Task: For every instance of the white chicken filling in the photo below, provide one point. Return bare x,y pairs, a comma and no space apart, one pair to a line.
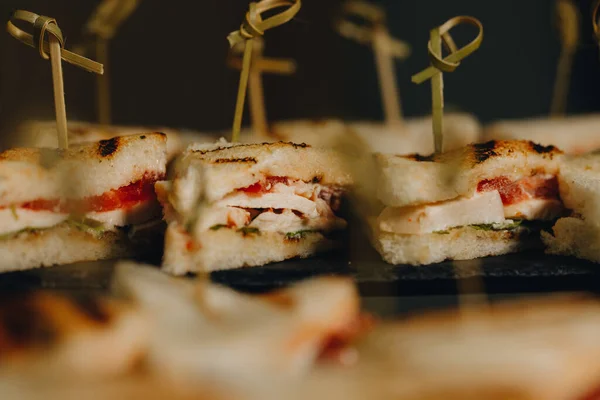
483,208
292,207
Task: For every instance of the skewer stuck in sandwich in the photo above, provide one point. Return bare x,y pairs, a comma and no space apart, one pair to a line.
236,205
484,199
80,204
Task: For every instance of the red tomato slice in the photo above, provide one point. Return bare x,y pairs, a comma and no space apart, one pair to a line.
122,198
527,188
264,186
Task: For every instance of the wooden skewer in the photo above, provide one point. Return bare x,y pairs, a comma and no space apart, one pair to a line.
385,48
103,82
59,92
260,65
241,96
48,27
390,95
568,25
254,26
437,93
561,85
258,112
447,64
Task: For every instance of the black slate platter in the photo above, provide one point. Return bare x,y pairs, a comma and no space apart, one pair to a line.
525,272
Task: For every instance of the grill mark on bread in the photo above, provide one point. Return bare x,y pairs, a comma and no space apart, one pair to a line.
538,148
251,160
483,151
419,157
108,147
238,145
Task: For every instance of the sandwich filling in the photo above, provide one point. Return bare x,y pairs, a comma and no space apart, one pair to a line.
496,204
133,204
272,204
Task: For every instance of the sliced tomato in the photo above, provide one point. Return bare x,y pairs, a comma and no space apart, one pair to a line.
265,185
512,192
122,198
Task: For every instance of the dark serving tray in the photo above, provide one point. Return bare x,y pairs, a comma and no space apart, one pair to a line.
524,272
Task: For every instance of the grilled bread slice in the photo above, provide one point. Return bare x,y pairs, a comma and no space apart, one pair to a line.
415,179
415,135
52,335
225,248
462,243
573,134
230,166
43,134
578,234
83,170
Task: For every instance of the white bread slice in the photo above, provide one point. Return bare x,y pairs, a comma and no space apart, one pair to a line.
541,348
415,136
414,180
61,244
228,249
228,166
579,184
463,243
83,170
579,234
574,237
203,330
50,335
574,134
43,134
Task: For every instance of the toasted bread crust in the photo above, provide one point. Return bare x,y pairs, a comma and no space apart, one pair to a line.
227,166
228,249
573,134
43,134
61,244
463,243
81,171
416,179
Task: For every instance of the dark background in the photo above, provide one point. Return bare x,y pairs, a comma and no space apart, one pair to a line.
168,64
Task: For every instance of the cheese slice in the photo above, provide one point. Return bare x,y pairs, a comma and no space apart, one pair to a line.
481,208
534,209
17,219
135,215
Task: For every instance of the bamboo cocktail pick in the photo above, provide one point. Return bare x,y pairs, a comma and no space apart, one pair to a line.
44,25
258,66
437,36
103,24
595,21
386,49
568,25
252,27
